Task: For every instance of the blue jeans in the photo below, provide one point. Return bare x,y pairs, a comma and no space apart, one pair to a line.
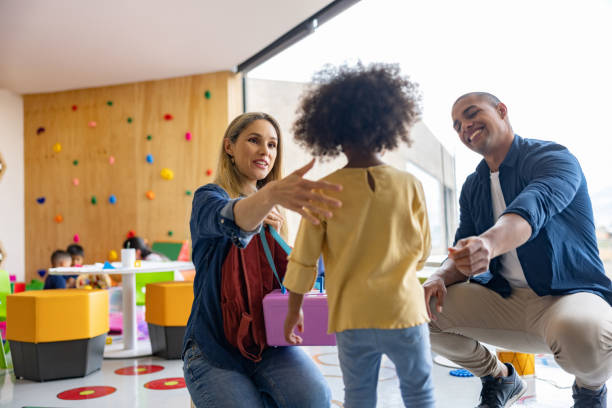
360,352
285,378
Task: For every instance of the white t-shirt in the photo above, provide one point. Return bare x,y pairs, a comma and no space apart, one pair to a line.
511,267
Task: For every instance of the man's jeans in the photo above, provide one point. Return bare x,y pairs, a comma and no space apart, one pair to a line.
285,378
360,353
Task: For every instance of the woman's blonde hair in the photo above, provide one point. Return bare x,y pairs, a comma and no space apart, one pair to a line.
228,176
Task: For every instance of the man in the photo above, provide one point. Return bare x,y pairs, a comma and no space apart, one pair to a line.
524,272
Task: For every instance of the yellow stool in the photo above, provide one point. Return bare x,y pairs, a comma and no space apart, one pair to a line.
167,309
57,333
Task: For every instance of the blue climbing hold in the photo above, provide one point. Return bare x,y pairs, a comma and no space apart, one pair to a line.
41,272
461,372
149,158
40,200
112,199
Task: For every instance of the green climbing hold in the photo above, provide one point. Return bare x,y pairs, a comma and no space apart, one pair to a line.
75,162
170,233
149,137
207,94
188,192
94,200
109,103
129,120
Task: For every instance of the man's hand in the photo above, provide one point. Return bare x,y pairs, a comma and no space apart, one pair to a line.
471,255
434,286
291,321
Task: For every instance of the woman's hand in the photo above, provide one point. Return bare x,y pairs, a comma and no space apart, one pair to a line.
297,194
275,219
291,321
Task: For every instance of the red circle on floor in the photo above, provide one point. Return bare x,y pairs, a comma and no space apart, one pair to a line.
166,384
139,369
83,393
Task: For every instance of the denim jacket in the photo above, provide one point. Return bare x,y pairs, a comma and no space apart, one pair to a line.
213,231
543,183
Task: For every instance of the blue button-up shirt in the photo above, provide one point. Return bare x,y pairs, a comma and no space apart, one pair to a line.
213,231
543,183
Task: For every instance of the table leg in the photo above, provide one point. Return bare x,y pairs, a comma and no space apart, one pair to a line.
131,346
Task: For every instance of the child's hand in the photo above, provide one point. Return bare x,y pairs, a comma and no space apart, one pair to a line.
71,283
291,321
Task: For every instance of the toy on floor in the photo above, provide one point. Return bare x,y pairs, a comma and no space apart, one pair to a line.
461,372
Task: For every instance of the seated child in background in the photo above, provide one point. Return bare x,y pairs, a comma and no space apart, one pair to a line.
97,281
375,243
77,253
60,259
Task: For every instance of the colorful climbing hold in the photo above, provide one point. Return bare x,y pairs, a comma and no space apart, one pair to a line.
168,116
76,238
94,200
40,130
149,137
112,255
167,174
74,108
40,200
209,172
149,158
75,162
150,195
129,120
112,199
188,136
109,103
57,147
75,181
92,124
131,234
207,94
41,272
170,233
188,192
58,218
111,160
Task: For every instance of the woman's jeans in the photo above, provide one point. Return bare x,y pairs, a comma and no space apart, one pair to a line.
285,378
360,352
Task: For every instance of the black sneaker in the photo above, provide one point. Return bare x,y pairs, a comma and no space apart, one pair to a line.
501,392
585,398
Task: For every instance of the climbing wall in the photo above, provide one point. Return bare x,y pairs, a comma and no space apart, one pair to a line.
102,162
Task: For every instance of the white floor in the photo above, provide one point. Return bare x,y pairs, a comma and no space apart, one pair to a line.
553,386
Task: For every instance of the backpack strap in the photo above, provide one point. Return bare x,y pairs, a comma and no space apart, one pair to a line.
266,248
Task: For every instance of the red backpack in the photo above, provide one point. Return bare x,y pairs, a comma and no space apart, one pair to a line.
246,277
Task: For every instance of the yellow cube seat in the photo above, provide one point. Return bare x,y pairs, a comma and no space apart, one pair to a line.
167,309
57,333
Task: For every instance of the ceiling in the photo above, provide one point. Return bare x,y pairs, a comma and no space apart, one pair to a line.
57,45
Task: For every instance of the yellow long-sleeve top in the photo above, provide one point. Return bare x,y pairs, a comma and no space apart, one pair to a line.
372,248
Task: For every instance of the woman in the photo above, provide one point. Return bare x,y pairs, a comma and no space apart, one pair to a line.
246,192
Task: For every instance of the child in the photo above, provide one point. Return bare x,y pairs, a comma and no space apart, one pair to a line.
374,244
77,253
59,259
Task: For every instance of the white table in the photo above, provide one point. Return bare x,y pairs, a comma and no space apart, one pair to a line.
129,346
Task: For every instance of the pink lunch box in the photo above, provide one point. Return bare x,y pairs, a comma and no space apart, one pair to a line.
315,319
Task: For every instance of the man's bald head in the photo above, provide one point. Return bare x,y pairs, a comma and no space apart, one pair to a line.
490,98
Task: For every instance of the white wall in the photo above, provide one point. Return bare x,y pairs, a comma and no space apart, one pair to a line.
12,208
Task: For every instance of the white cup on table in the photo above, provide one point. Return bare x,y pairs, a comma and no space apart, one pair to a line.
128,257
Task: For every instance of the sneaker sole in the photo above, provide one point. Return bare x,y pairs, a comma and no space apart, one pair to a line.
516,397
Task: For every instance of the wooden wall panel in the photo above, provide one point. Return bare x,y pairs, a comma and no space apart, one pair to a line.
103,227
